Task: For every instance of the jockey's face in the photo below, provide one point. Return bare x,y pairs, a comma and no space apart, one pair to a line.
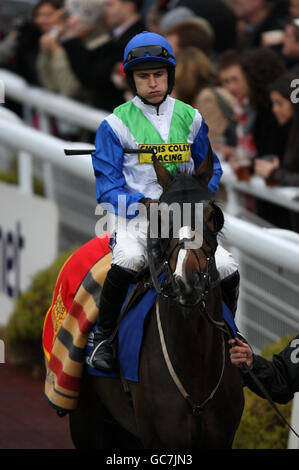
151,85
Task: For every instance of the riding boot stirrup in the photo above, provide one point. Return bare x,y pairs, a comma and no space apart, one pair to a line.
104,356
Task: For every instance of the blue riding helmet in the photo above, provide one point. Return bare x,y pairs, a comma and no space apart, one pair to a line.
147,51
146,48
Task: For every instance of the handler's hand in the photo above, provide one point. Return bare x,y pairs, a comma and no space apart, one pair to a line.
239,353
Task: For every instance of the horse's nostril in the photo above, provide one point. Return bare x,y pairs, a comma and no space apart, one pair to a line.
183,289
179,283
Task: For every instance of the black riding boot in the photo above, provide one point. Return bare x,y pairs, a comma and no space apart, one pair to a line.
103,355
230,291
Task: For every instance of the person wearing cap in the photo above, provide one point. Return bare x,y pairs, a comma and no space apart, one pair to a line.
152,117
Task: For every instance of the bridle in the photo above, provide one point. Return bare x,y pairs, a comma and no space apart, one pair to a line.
168,289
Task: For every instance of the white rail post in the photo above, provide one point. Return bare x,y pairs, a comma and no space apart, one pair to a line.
25,175
48,177
293,442
25,161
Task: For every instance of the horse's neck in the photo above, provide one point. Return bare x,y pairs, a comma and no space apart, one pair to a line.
191,341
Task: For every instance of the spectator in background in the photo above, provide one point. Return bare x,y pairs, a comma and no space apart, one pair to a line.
196,84
28,39
291,45
283,170
232,75
233,78
247,76
294,8
94,67
191,33
262,67
220,17
256,18
54,68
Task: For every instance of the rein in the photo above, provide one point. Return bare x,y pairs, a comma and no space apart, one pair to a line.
196,409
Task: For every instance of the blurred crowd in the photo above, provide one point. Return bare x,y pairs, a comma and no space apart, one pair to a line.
237,62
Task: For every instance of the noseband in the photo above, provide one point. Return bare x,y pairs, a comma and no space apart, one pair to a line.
204,277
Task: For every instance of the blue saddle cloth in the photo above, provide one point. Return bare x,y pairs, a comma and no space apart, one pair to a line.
130,336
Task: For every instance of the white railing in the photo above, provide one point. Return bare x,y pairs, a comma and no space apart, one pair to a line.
51,104
287,197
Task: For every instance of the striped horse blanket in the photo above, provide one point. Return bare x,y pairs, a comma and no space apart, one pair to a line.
70,320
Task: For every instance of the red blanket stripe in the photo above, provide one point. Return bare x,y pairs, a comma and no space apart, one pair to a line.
64,380
77,312
48,334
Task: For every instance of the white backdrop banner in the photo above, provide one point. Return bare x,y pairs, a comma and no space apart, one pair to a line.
28,242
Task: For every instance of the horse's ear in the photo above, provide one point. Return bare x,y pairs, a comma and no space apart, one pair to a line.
205,172
163,176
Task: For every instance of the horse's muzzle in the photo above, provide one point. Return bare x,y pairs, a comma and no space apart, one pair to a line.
187,293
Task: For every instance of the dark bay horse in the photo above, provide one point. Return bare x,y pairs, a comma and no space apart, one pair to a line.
189,396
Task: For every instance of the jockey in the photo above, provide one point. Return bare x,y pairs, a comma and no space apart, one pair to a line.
152,117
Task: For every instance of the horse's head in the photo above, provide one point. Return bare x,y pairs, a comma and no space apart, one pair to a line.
193,220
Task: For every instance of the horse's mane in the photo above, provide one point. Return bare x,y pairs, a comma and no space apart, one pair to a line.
186,188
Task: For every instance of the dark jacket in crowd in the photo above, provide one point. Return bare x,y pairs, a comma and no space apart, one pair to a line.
253,37
294,68
279,377
269,137
221,18
288,172
94,67
26,53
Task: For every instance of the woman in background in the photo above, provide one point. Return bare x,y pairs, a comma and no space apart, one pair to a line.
27,47
284,171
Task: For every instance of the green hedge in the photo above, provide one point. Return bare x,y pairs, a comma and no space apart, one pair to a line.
23,333
261,427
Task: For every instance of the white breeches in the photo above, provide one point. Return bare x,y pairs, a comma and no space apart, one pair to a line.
129,247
